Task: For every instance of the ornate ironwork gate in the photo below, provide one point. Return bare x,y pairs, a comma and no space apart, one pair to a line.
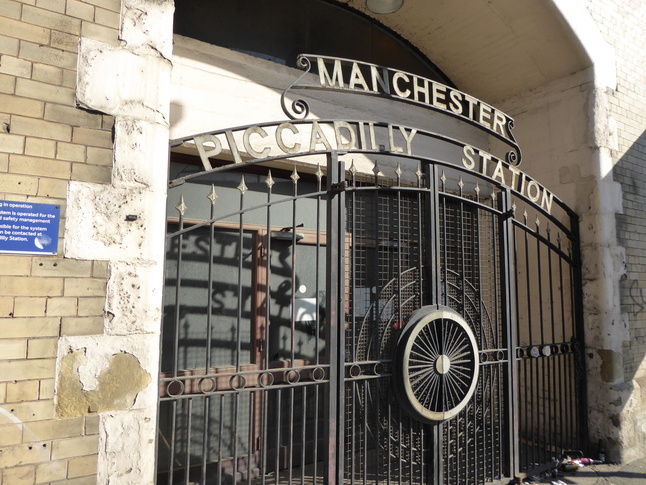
417,324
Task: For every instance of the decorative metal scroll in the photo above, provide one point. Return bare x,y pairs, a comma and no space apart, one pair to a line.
363,78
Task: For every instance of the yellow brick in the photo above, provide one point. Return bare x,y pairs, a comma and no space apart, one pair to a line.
7,84
27,453
52,188
55,5
15,66
90,137
80,10
48,55
81,446
72,116
22,391
22,475
100,269
4,162
69,78
45,129
40,147
91,173
15,265
44,91
13,349
92,422
90,480
54,429
9,8
51,471
105,34
47,389
26,412
99,156
60,267
107,18
41,348
10,434
83,286
29,327
71,152
81,326
88,307
108,123
24,31
6,306
22,286
29,307
18,184
47,74
66,42
22,370
22,106
82,467
12,143
62,307
9,45
113,5
52,20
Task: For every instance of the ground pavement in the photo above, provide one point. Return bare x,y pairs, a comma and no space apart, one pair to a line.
633,473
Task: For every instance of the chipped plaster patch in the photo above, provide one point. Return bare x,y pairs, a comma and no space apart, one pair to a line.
116,387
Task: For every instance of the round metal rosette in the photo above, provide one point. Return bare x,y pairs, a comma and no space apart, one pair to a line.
436,364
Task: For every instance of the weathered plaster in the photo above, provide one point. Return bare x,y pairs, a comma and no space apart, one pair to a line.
111,391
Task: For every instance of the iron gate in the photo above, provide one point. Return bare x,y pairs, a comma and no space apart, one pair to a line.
419,324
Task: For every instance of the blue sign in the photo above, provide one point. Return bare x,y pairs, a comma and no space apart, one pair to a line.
27,228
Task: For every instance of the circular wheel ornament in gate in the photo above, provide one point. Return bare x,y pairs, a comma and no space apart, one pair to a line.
436,364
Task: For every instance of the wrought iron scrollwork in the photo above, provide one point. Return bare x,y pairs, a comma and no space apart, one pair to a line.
299,108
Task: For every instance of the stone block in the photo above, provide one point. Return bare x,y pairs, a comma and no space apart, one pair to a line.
21,475
26,412
54,429
46,389
12,143
62,307
29,327
23,286
106,17
6,306
15,265
10,434
28,453
92,422
109,35
29,307
72,326
40,147
70,152
13,349
48,266
65,42
45,129
92,137
80,10
53,5
41,348
21,391
72,116
47,74
51,471
18,184
7,85
84,286
73,447
21,370
88,307
51,20
44,91
99,156
42,167
15,66
82,467
100,269
52,188
9,45
21,106
97,174
55,56
24,31
10,9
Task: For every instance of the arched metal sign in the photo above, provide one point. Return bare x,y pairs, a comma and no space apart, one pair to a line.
356,301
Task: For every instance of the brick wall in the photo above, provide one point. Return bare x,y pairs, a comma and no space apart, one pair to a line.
45,141
622,24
